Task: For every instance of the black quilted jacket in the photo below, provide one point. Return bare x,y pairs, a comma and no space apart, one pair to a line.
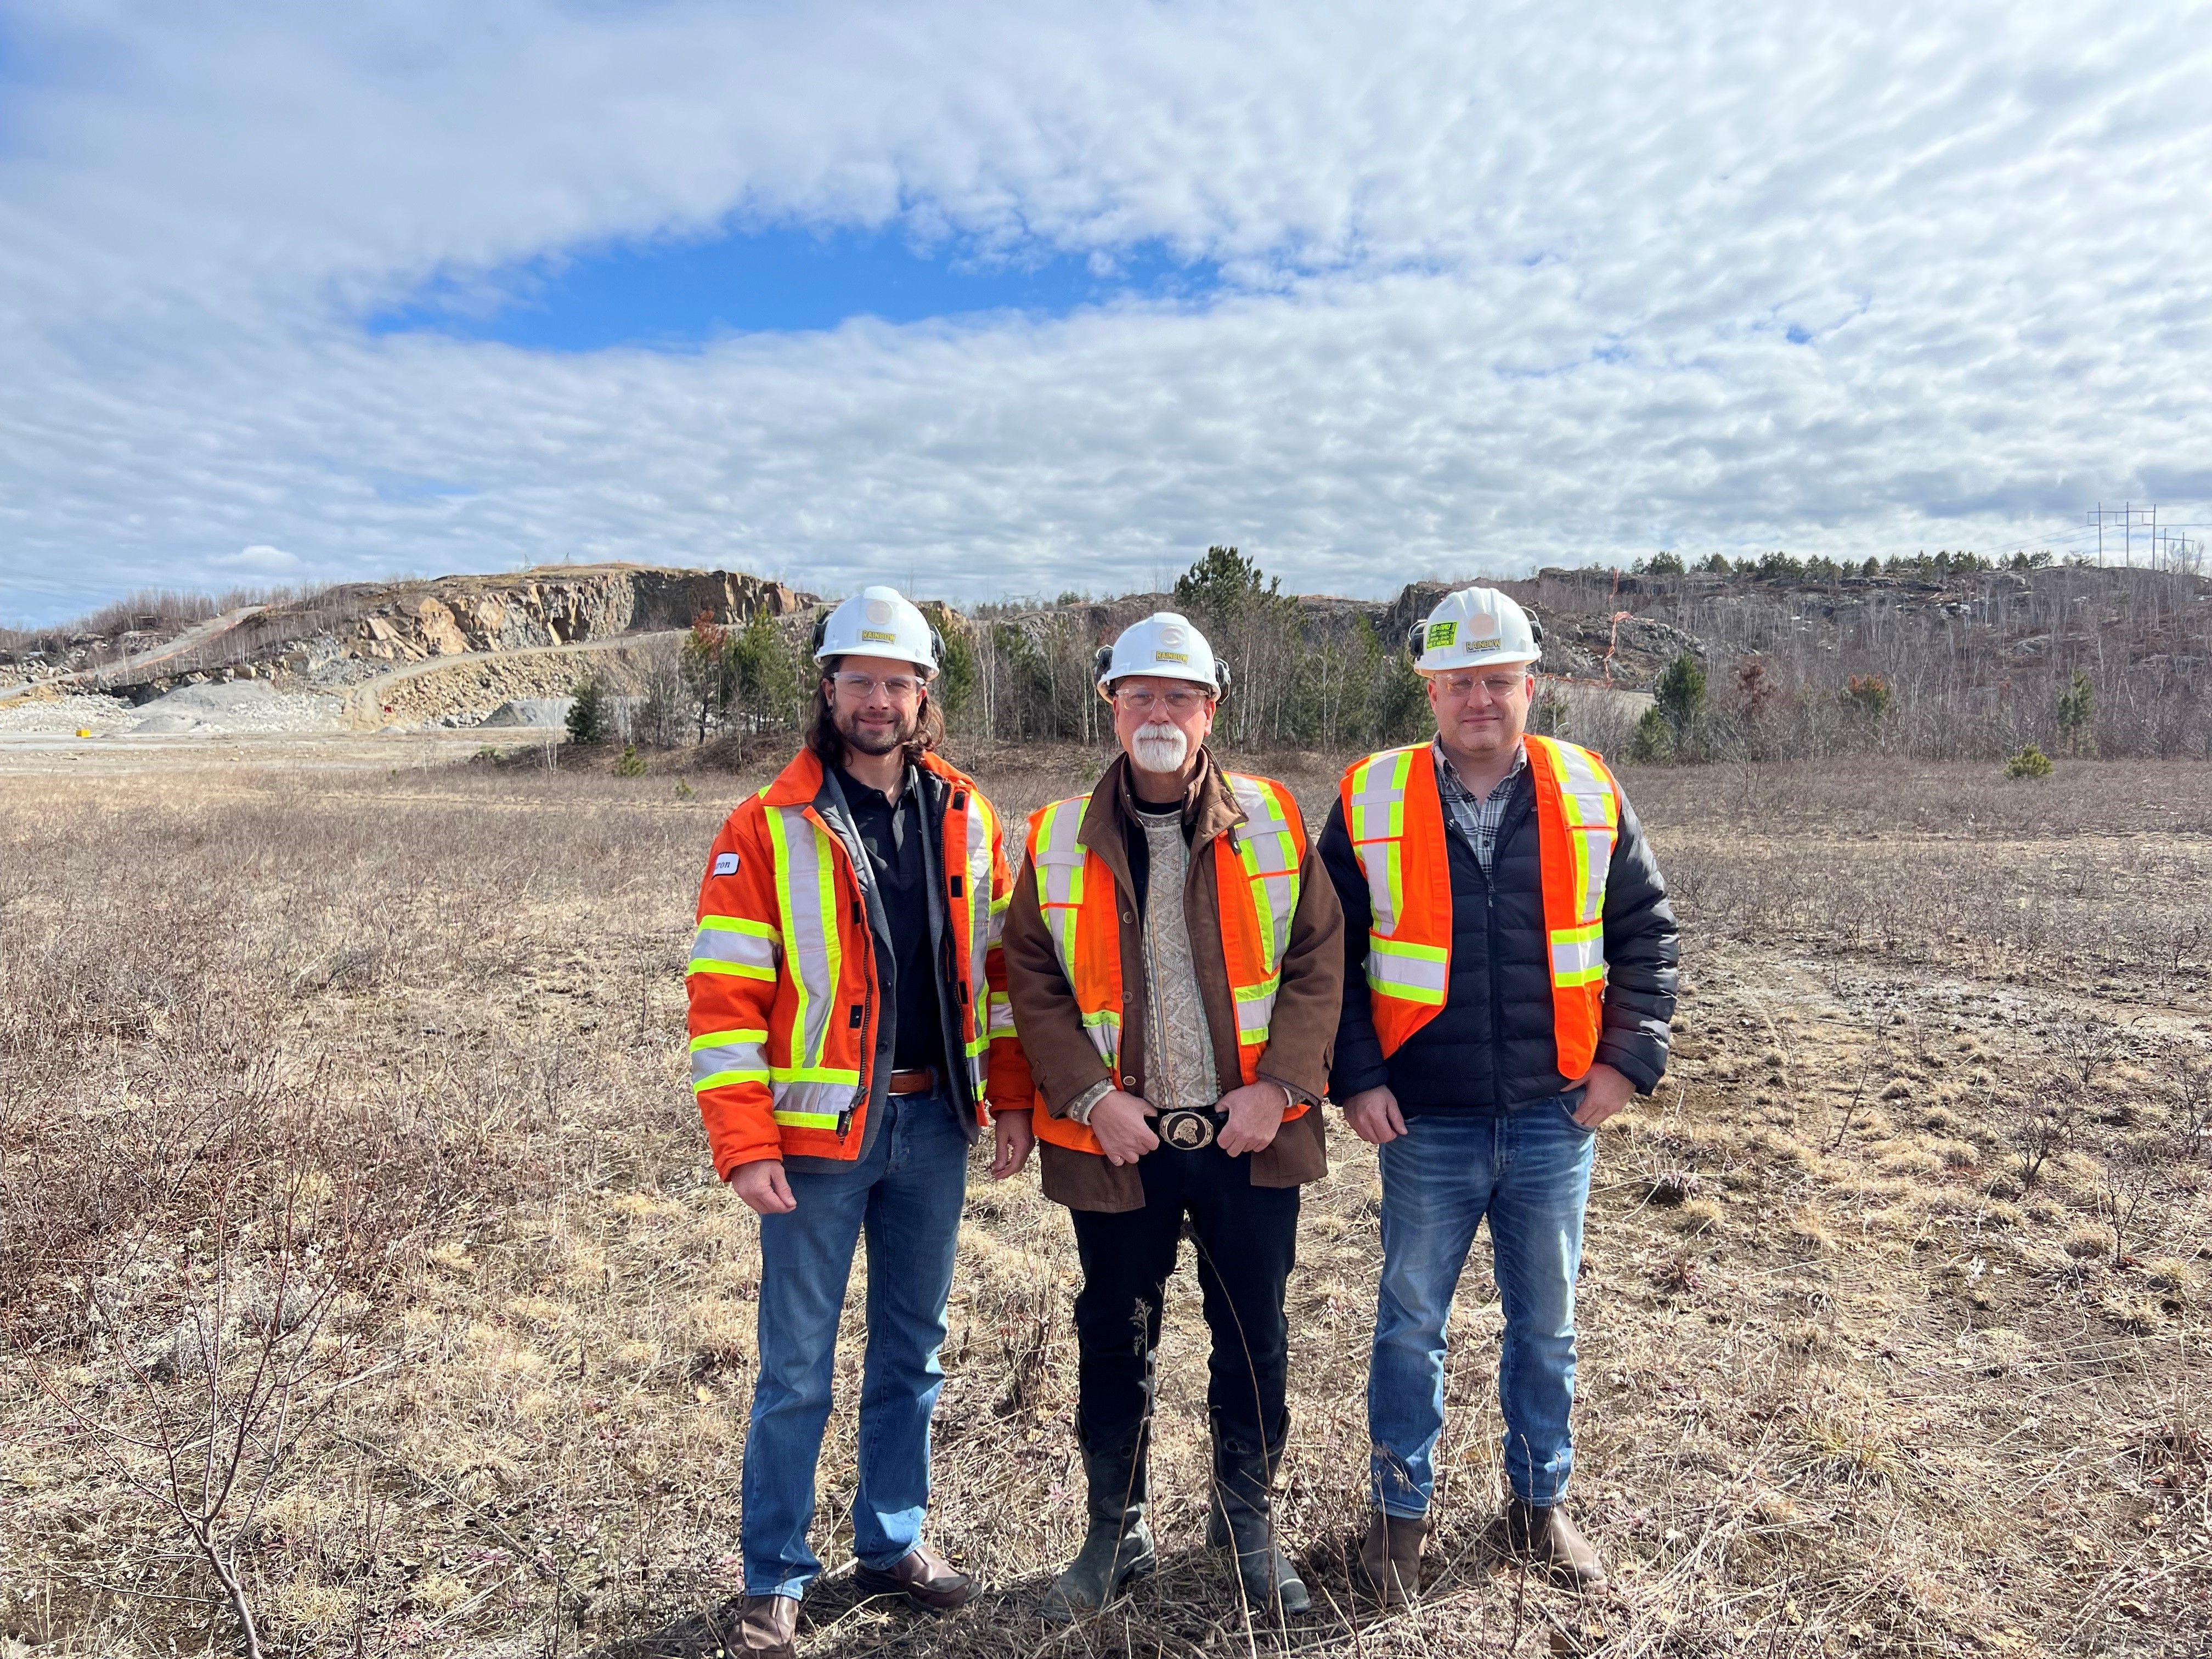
1491,1046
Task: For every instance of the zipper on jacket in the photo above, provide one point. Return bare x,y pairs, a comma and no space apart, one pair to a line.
1497,996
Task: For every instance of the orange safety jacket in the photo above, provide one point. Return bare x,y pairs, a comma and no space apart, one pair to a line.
1395,819
782,981
1256,866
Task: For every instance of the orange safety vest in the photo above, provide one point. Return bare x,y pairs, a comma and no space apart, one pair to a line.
1256,879
1396,822
782,981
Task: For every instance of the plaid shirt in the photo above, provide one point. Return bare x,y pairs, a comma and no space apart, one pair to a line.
1477,820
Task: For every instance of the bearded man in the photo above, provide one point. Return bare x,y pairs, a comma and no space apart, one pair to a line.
1174,956
850,1040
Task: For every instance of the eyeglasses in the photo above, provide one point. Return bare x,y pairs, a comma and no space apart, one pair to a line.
1139,701
1500,686
900,688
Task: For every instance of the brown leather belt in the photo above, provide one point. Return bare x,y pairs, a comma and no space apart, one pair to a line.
918,1082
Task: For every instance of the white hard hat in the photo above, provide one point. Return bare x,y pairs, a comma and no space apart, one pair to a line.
1474,627
1164,644
878,622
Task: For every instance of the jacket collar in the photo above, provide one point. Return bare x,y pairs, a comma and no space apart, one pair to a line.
1209,808
799,783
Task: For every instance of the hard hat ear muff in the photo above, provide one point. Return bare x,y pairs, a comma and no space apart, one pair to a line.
936,650
821,632
1415,638
1101,660
1220,677
1535,630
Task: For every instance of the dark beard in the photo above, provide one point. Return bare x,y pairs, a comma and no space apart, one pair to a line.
848,728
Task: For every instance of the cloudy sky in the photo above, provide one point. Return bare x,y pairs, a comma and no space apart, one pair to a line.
999,298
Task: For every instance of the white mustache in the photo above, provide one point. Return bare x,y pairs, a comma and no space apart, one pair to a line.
1159,747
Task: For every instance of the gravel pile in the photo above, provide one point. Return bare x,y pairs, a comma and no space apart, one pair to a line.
235,706
72,713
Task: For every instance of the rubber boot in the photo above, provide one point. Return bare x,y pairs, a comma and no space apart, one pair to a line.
1243,1516
1118,1548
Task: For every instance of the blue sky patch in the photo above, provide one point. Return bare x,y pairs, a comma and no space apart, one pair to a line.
677,295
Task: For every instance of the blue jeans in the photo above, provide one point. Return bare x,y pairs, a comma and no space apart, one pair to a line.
905,1197
1529,1171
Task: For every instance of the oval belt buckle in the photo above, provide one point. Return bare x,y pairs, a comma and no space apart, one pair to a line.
1186,1130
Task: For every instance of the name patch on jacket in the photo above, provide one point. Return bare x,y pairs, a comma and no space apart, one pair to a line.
726,864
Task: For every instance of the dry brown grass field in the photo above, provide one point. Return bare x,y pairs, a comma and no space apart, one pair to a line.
353,1213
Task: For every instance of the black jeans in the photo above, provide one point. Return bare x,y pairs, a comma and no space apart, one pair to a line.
1247,1237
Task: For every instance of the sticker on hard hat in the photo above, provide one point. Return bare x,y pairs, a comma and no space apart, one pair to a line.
879,635
1441,633
726,864
1172,656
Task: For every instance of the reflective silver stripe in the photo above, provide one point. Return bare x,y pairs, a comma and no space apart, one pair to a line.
721,1057
1104,1031
1378,796
1256,1008
1269,851
738,944
983,925
805,888
1060,869
1002,1014
1578,955
1591,808
1415,972
811,1105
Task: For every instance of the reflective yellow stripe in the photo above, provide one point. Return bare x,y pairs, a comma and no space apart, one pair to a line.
1414,972
808,1120
1591,808
734,945
1268,851
1376,824
721,1057
1104,1031
806,899
1060,860
1255,1008
1578,955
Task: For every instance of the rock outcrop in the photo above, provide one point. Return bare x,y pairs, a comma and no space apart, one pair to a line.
411,622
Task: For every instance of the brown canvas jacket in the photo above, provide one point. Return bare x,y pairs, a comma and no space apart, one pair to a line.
1301,1031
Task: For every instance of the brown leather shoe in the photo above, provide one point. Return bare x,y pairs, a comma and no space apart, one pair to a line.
1390,1559
1546,1533
922,1576
770,1629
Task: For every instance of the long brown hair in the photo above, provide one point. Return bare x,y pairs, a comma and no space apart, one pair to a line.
828,742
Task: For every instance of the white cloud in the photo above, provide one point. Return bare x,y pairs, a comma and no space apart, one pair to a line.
1516,283
262,561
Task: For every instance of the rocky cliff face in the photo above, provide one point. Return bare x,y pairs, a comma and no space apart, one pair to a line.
564,606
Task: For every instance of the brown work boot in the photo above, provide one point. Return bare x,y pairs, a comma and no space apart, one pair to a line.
1547,1535
770,1629
926,1578
1389,1558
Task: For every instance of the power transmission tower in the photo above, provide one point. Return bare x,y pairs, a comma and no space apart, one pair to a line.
2126,517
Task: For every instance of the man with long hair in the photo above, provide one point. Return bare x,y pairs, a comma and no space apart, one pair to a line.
1174,956
851,1040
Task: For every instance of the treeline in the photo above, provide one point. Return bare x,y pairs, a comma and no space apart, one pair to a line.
1955,657
2070,658
1298,677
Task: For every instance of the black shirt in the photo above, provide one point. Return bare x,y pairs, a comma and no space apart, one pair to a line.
893,838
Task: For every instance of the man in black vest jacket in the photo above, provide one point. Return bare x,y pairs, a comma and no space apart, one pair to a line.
1470,1112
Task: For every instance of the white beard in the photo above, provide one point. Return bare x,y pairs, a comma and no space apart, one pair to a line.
1159,747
